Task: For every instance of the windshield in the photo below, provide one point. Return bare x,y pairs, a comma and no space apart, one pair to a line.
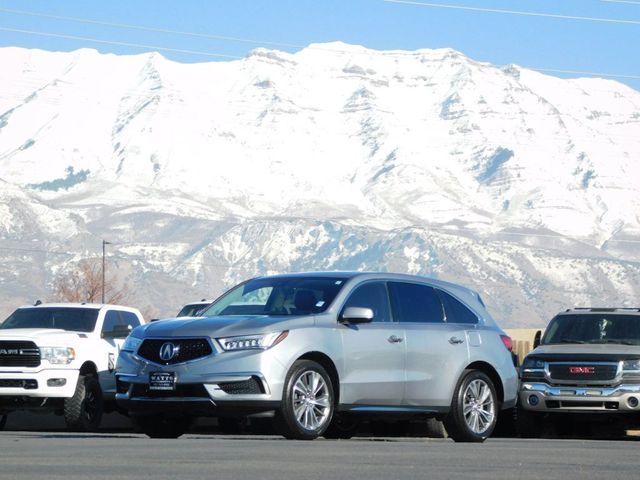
594,328
278,296
72,319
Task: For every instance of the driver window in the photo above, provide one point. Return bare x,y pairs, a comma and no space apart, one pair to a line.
111,319
374,296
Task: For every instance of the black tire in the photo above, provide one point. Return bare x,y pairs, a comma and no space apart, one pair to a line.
3,420
310,427
506,426
529,424
342,426
162,427
457,424
83,411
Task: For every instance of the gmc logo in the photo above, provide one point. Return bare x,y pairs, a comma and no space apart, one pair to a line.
584,370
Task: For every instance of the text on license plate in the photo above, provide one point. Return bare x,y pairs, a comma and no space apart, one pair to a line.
162,381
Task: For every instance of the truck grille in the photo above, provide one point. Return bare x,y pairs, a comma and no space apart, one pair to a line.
19,354
583,372
184,350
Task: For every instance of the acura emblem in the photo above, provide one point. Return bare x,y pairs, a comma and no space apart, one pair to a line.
168,351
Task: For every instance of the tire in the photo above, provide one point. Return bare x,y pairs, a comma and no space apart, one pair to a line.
162,427
474,408
529,424
307,402
83,411
342,426
3,421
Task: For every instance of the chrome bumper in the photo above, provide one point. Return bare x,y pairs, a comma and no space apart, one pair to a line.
541,397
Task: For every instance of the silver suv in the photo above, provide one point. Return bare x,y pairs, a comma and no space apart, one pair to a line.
319,351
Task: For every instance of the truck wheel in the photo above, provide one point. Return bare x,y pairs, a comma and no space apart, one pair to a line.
307,402
342,426
3,421
83,411
162,427
474,407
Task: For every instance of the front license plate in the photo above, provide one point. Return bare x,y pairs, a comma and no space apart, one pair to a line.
162,381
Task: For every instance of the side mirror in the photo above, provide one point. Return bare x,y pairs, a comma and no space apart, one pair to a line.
119,331
536,339
357,315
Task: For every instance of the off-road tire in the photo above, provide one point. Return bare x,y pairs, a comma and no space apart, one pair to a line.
83,411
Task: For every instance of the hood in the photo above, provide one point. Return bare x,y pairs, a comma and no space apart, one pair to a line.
222,326
569,352
39,334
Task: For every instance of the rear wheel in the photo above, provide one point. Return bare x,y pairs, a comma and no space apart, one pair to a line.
473,413
83,411
162,427
307,402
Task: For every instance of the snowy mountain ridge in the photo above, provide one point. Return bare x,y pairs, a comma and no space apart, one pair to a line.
521,185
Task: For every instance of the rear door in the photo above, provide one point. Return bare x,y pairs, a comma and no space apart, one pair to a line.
436,350
374,353
111,346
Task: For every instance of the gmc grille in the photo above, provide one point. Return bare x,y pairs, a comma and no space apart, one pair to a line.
583,372
19,354
187,349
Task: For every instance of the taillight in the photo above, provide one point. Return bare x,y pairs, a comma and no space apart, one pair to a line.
508,343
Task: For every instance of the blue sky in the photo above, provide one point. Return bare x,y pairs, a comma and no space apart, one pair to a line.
532,41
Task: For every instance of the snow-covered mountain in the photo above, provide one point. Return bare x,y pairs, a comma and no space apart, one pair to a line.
518,184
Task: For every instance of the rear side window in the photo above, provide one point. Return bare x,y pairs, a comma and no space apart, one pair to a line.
456,311
374,296
415,303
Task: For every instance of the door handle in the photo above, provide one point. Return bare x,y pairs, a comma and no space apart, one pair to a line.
394,339
455,340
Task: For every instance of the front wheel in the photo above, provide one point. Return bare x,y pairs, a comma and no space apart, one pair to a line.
473,412
83,411
307,402
162,427
3,421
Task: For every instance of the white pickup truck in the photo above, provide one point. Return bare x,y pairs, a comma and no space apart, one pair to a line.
60,358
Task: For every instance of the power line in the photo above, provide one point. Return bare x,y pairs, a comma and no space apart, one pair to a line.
515,12
630,2
120,44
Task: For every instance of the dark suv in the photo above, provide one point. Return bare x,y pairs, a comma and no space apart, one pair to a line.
588,361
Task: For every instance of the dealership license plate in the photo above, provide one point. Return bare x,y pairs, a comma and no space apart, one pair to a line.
162,381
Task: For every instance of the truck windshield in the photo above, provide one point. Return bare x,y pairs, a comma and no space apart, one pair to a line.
278,296
594,328
72,319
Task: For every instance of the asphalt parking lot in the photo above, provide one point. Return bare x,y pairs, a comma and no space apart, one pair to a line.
60,455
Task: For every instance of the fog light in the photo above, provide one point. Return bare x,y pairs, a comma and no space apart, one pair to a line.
56,382
533,400
632,402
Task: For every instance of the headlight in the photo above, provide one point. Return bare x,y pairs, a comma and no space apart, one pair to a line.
58,355
252,342
131,344
532,364
632,365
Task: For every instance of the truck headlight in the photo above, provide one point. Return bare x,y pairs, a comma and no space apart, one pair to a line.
631,365
252,342
131,344
532,364
58,355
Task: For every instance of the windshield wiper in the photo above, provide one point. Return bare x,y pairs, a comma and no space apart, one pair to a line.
571,340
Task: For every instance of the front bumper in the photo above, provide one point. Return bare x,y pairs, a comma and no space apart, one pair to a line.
39,384
541,397
238,382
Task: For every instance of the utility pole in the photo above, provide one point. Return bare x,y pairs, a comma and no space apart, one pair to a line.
104,243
